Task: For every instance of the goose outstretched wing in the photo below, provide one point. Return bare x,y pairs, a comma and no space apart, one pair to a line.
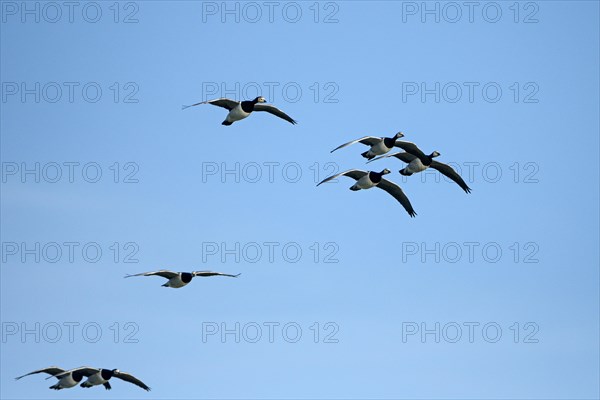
131,379
163,272
211,273
367,140
275,111
411,148
448,171
50,370
355,174
398,194
402,156
222,102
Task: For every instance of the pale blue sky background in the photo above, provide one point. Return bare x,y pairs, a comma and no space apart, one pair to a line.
376,286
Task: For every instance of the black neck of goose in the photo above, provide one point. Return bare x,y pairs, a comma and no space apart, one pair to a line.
427,160
375,177
77,376
389,142
248,105
186,277
106,373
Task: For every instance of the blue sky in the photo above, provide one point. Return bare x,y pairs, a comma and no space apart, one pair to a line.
516,260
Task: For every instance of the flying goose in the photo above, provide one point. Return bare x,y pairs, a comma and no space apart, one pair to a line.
418,161
101,376
379,145
367,180
65,381
240,110
180,279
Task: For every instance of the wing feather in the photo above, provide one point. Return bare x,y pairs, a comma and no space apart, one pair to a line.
163,272
50,370
398,194
222,102
448,171
211,273
275,111
403,156
411,148
367,140
131,379
355,174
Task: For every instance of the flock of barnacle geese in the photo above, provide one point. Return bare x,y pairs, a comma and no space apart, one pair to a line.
416,159
379,147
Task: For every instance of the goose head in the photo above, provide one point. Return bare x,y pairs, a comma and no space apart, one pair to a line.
435,154
111,373
398,135
260,99
385,172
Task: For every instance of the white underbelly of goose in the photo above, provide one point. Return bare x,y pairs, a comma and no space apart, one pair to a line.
364,183
237,114
67,382
416,166
379,149
96,379
176,282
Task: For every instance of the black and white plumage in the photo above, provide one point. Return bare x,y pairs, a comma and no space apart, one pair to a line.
239,110
180,279
378,145
418,161
369,179
101,376
66,379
